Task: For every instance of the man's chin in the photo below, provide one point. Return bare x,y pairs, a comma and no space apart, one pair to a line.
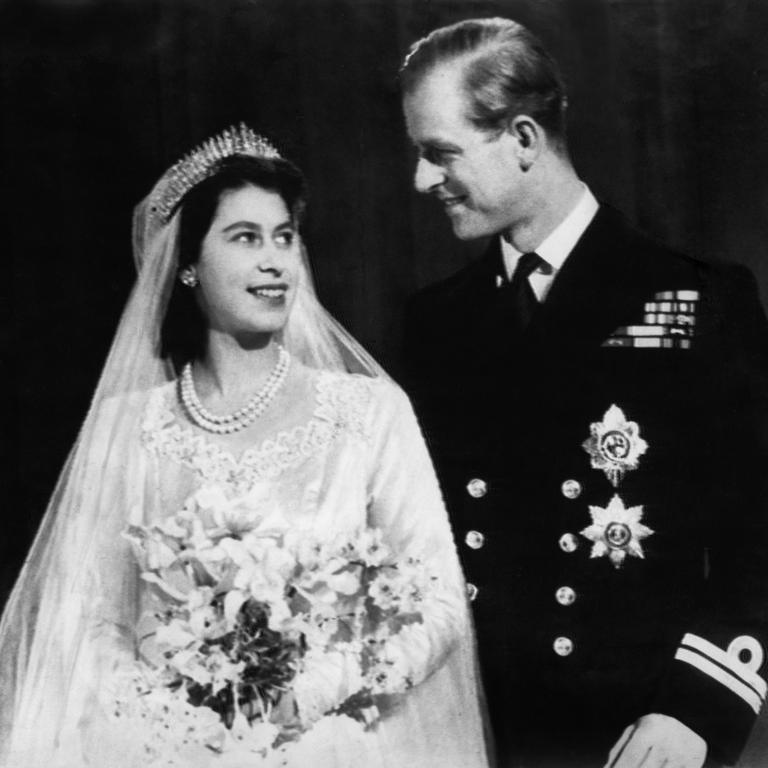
470,230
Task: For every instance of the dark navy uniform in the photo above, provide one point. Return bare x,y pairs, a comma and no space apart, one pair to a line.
605,470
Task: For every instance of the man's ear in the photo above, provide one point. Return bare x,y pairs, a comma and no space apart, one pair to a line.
528,138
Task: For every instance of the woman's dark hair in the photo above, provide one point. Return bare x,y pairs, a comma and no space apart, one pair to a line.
183,333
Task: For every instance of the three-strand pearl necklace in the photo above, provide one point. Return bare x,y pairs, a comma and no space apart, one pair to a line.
240,419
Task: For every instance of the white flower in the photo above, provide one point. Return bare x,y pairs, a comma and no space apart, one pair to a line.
152,548
236,551
222,669
174,635
164,586
280,616
346,582
175,527
233,602
256,510
371,547
207,623
276,560
402,590
264,568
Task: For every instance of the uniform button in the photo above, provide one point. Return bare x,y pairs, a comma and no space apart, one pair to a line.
568,542
571,489
471,591
477,488
474,539
563,646
565,596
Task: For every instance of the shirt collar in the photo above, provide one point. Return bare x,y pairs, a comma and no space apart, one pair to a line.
561,241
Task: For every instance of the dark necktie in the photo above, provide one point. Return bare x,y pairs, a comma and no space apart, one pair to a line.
522,302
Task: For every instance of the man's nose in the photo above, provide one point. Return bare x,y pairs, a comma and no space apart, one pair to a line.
427,176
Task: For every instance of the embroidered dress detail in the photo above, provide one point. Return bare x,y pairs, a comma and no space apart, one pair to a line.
342,403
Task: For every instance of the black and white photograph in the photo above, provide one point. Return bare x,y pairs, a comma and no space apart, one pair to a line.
389,384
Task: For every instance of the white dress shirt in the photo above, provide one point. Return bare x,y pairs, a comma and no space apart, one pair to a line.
556,247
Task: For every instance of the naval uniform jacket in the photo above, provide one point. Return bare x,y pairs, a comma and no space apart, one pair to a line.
626,574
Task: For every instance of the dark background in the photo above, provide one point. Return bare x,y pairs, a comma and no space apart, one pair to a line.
668,121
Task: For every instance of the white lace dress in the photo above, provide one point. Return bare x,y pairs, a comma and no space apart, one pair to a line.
336,452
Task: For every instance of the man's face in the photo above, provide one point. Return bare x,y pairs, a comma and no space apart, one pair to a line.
473,173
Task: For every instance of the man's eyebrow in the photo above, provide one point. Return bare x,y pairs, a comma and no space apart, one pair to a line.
437,144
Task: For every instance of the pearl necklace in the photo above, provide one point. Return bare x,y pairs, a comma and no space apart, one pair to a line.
240,419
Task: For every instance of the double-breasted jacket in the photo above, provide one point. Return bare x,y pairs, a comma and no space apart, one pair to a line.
605,472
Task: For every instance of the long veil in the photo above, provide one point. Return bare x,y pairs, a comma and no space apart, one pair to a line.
75,588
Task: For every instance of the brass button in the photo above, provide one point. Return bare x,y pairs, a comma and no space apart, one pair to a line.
477,488
568,542
571,489
474,539
565,596
471,591
563,646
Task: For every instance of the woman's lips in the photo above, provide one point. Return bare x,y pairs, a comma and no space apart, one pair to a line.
268,291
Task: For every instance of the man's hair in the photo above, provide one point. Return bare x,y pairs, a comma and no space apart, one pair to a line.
506,72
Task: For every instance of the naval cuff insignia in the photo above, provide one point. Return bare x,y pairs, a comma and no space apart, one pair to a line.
616,531
614,445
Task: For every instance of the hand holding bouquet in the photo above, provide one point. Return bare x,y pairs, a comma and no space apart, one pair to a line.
259,631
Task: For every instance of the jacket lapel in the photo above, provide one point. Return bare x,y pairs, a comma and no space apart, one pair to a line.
598,288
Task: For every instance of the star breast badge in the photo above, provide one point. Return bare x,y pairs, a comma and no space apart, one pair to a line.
614,445
616,531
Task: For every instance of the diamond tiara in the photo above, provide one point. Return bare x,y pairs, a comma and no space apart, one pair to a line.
201,162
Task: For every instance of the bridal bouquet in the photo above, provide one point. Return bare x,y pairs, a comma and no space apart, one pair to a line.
259,632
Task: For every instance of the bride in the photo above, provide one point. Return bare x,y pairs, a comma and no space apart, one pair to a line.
227,378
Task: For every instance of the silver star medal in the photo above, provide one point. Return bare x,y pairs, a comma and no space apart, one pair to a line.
615,445
616,531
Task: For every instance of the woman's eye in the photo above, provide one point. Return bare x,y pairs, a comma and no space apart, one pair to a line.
285,239
247,237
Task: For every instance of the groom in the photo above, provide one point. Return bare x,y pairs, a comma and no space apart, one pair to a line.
595,406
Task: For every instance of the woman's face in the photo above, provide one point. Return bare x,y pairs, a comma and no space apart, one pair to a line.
249,264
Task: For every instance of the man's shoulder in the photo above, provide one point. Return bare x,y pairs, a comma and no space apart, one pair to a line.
723,295
478,275
611,229
646,254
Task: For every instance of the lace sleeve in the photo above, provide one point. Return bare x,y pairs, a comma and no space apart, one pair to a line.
404,500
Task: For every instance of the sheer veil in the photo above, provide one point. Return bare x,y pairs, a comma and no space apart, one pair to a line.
75,589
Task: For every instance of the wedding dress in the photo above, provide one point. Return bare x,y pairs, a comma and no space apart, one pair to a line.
339,448
345,451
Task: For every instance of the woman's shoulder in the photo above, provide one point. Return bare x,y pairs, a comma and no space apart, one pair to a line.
357,386
136,401
358,395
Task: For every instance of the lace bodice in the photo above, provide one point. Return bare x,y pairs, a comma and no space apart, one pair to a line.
342,401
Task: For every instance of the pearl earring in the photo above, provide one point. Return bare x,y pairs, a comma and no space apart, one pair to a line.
189,278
